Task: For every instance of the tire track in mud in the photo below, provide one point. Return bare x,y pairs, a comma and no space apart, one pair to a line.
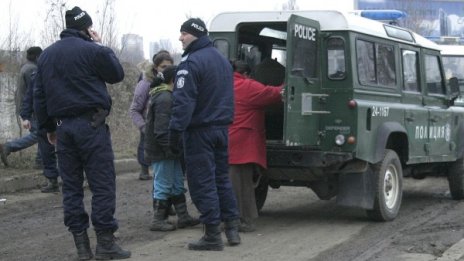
426,227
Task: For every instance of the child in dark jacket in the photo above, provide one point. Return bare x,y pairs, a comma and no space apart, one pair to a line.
168,184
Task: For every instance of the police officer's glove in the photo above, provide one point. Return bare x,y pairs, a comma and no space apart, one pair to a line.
174,140
99,117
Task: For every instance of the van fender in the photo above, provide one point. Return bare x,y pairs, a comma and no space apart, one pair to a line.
357,189
460,141
383,133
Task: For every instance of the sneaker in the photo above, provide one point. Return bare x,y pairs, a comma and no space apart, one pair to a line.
4,154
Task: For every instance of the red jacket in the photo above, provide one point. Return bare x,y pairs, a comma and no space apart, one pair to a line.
247,137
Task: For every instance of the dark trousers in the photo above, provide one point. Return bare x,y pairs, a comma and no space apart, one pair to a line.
48,156
206,160
83,148
140,151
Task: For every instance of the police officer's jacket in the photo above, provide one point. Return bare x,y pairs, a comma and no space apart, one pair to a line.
203,88
71,78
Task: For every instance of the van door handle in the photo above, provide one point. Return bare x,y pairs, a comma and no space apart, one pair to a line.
410,118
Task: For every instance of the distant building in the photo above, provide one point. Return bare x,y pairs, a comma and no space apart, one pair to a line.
438,20
132,48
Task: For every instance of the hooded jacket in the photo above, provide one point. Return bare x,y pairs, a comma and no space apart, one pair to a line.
71,78
139,106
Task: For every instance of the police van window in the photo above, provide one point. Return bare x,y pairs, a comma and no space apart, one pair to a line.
454,67
304,62
410,76
432,75
336,58
385,59
376,63
366,62
222,46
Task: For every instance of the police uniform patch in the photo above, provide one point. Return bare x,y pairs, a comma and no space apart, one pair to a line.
180,82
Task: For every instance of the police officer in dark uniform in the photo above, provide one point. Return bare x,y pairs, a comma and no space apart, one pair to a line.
203,109
71,101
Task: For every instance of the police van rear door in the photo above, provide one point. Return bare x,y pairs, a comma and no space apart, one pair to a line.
303,82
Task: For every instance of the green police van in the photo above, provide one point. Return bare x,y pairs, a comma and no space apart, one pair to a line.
365,104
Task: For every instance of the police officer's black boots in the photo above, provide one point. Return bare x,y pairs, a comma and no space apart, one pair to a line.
160,221
51,187
211,240
144,173
81,240
183,217
107,248
231,229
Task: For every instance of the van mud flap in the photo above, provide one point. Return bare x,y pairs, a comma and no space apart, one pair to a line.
356,189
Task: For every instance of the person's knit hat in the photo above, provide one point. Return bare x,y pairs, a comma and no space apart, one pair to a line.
195,27
78,19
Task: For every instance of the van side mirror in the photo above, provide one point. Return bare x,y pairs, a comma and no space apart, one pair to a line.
454,87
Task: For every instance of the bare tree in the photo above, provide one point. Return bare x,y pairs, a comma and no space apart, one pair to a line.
107,24
15,40
54,22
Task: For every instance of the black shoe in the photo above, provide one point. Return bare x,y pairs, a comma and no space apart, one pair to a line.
160,221
183,217
4,154
81,240
211,240
108,249
51,187
231,229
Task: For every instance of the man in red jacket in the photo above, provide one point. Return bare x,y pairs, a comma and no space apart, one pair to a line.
248,131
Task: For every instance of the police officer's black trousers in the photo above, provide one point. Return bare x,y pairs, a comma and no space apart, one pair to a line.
83,148
206,159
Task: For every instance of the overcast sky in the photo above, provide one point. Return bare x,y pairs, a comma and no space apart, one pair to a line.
152,19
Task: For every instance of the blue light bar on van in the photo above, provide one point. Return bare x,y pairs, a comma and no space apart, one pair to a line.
382,15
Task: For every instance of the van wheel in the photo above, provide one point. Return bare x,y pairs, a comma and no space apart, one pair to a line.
388,188
261,192
456,179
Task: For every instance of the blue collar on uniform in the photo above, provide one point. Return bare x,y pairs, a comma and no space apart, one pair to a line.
199,43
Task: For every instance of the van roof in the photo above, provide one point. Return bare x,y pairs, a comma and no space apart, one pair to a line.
329,20
457,50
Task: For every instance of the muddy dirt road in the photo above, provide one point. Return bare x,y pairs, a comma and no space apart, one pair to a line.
294,225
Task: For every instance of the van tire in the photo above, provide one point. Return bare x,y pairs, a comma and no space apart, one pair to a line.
388,177
456,179
261,192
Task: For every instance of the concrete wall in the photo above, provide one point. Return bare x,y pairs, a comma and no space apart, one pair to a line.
8,121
